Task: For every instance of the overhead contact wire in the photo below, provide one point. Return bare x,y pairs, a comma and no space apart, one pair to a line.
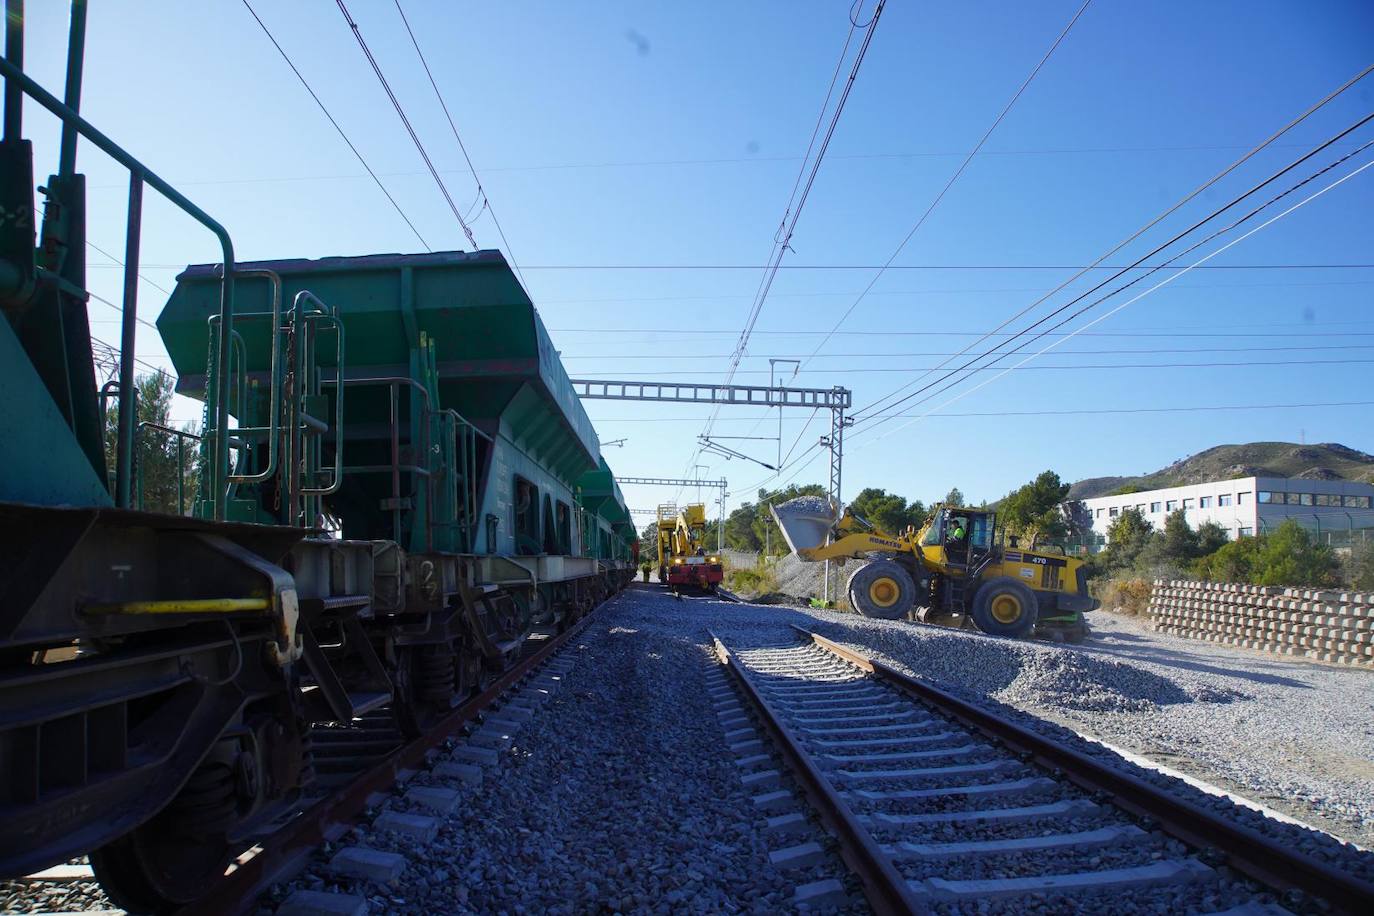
1236,223
381,187
482,192
1254,151
405,121
1144,293
1006,109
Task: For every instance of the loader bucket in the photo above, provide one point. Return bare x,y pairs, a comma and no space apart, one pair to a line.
805,521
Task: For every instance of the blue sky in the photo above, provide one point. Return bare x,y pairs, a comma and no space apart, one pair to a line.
671,134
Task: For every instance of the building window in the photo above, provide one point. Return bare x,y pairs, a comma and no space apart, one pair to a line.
1155,507
1304,499
1140,507
1240,498
1101,512
1357,502
1224,499
1204,502
1114,512
1245,532
1188,503
1265,496
1326,499
1171,505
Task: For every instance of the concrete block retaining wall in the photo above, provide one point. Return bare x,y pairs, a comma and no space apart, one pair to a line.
1329,626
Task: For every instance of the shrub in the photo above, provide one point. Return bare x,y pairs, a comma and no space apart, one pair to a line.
1131,596
1288,555
1359,567
756,580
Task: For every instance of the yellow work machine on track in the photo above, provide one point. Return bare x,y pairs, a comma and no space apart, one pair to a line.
950,571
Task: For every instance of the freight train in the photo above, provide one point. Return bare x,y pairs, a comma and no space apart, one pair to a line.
398,484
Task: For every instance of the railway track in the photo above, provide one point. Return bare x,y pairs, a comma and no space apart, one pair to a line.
356,769
329,817
938,803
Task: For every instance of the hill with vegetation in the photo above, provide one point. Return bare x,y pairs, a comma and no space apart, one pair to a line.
1327,461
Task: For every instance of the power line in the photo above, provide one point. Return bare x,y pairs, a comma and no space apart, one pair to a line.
486,201
729,160
1194,247
1094,266
286,57
872,369
1139,410
119,263
1006,109
400,112
1163,282
1047,413
792,214
869,354
1344,265
930,291
796,202
1137,263
1182,331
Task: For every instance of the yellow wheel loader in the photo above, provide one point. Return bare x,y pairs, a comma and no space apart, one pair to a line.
950,571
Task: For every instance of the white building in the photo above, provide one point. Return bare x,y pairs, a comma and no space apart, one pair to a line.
1247,504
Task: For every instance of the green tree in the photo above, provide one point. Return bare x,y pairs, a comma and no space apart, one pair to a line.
1236,561
888,511
1078,518
155,450
954,497
1211,537
1288,556
1127,537
1179,542
739,528
648,544
1032,511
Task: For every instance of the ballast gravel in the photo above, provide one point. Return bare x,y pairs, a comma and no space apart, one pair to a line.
1293,736
619,795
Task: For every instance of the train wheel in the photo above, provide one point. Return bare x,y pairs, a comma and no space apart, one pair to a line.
171,860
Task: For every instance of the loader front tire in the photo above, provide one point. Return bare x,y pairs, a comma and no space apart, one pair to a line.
881,589
1005,607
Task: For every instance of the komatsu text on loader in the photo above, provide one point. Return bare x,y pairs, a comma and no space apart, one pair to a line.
949,571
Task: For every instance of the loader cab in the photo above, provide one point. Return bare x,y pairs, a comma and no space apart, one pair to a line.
958,537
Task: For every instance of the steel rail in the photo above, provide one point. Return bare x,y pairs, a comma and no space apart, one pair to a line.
887,891
1266,860
288,849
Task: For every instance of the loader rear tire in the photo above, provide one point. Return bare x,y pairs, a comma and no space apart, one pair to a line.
881,589
1005,607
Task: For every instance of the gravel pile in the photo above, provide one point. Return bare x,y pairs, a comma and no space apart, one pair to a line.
618,796
800,579
808,505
